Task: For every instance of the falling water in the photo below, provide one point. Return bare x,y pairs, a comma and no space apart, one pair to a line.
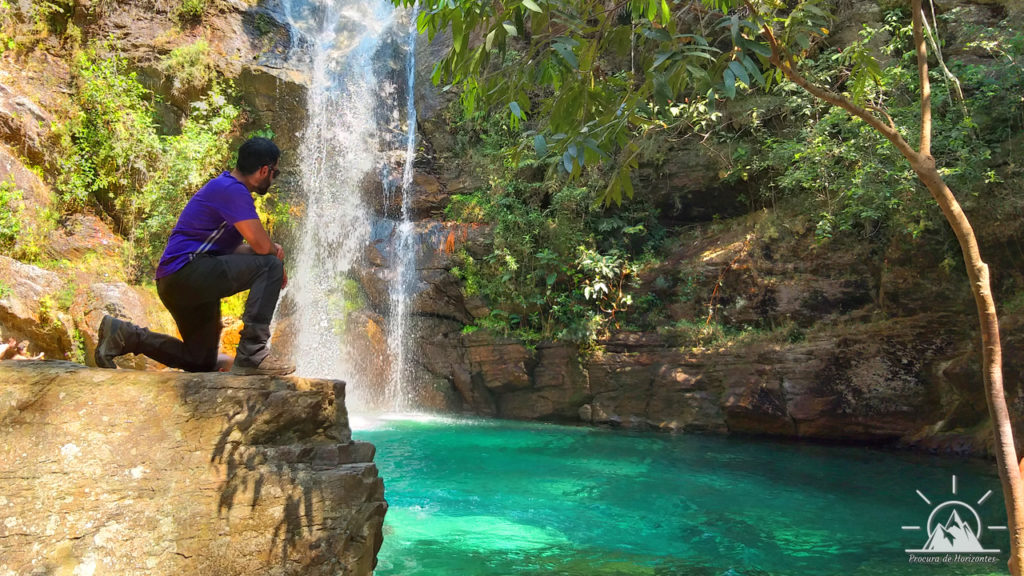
405,257
350,48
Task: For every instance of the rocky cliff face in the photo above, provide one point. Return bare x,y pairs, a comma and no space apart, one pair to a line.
856,342
913,380
130,472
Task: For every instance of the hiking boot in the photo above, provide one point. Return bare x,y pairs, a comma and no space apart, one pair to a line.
112,341
267,367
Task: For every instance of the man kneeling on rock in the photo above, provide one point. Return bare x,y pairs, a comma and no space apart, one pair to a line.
204,261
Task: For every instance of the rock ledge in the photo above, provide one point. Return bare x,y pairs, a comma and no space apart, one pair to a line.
131,472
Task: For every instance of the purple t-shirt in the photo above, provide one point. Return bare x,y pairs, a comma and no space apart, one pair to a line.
207,224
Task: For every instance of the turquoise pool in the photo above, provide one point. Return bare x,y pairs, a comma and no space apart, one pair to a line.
476,497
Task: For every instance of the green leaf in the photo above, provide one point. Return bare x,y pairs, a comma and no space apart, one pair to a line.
697,72
751,67
815,10
514,106
729,82
531,5
803,40
490,39
551,278
661,57
567,54
567,162
591,144
666,14
627,182
659,34
758,48
457,32
739,72
539,145
510,28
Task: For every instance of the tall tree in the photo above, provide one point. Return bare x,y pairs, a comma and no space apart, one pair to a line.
595,76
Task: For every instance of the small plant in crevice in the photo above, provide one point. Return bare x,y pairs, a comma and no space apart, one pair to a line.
190,11
189,66
11,214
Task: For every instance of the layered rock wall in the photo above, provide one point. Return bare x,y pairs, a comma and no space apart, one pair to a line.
130,472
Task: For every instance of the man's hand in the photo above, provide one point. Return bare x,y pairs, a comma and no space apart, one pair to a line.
279,252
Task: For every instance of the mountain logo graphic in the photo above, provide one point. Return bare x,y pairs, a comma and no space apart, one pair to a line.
953,526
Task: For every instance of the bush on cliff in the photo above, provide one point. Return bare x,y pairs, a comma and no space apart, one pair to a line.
117,162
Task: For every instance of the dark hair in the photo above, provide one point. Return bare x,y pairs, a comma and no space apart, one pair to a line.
255,153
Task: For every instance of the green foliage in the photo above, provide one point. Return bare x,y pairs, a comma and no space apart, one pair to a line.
561,267
5,290
11,214
264,24
118,162
66,295
588,81
51,16
22,231
186,161
189,66
111,142
77,347
850,175
8,24
191,11
49,312
586,89
345,298
233,306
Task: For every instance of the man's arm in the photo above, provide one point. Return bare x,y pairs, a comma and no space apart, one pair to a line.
256,236
258,241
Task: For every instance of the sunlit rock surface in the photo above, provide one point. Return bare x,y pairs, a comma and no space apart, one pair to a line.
130,472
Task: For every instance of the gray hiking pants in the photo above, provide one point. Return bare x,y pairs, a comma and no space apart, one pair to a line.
192,295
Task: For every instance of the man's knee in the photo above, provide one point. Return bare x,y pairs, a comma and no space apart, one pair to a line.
273,264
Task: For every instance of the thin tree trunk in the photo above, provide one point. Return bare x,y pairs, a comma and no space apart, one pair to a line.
977,272
1010,469
991,357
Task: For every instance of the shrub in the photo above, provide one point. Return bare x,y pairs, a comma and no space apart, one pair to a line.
191,11
11,213
189,66
116,160
111,142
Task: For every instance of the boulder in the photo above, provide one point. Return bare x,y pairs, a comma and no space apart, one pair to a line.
36,194
30,309
24,125
167,473
122,301
83,235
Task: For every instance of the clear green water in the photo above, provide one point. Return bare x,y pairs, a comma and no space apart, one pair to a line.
471,497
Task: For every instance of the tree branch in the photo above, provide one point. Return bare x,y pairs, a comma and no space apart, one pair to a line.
925,147
784,61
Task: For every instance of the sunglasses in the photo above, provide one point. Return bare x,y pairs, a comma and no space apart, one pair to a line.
275,172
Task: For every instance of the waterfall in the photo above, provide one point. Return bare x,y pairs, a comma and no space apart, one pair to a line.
355,137
405,257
